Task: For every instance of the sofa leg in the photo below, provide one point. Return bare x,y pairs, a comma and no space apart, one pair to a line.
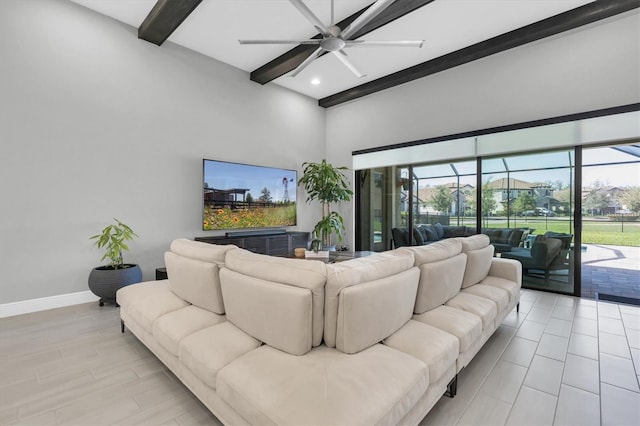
452,387
121,326
518,307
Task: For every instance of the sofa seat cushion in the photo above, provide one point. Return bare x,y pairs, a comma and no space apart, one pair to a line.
378,385
499,296
145,302
171,328
436,348
484,308
501,248
207,351
466,326
509,286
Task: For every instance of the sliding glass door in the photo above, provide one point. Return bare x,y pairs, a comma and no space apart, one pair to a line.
533,194
610,225
562,198
382,205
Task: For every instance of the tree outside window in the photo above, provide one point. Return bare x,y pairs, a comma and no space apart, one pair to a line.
442,199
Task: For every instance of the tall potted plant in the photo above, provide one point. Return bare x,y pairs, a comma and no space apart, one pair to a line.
326,184
105,280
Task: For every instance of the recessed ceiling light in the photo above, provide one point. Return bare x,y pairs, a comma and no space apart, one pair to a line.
315,81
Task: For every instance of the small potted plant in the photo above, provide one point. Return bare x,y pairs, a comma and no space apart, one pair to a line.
105,280
327,184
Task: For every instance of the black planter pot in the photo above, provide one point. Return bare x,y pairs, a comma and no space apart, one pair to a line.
104,281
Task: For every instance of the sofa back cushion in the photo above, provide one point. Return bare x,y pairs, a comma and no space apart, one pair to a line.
515,237
492,233
437,251
279,315
442,268
439,230
201,251
379,294
524,237
504,235
373,311
277,300
400,237
193,269
451,231
564,238
431,232
439,282
479,256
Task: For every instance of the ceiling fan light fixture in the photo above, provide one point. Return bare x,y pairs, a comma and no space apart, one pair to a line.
334,39
332,44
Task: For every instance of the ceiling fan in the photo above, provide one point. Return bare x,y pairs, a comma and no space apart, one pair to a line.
334,39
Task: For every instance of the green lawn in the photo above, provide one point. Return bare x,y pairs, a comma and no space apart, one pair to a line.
593,232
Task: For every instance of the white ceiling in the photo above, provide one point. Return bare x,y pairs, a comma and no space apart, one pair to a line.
215,26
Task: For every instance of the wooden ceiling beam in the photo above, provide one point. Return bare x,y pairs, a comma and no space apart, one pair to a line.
557,24
290,60
164,18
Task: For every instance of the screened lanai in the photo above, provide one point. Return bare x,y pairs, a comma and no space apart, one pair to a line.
584,195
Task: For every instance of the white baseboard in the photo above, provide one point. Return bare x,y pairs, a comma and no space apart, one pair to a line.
44,303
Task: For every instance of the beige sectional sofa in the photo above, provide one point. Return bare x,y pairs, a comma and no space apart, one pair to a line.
373,340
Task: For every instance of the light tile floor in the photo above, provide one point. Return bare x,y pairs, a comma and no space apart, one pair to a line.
560,361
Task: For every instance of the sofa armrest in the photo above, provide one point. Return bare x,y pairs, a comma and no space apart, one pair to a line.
508,269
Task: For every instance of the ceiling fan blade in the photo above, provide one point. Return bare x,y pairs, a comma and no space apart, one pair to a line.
279,41
343,58
395,43
306,62
367,16
311,17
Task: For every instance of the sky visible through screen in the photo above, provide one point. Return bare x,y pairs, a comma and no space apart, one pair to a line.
224,175
606,166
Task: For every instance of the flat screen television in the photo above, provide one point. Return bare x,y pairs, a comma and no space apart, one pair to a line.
241,196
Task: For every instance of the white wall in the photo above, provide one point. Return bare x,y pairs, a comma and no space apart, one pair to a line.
96,124
590,68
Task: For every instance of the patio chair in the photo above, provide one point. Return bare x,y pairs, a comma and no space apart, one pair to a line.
564,259
540,256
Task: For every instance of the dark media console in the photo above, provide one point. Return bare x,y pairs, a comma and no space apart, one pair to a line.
249,233
273,243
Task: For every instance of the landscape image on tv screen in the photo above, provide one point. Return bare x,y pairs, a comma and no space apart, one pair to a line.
238,196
